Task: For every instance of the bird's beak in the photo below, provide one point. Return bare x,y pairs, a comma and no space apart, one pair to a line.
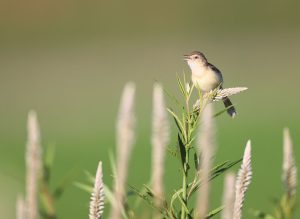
186,57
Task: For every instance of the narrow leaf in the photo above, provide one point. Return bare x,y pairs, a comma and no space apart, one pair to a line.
214,212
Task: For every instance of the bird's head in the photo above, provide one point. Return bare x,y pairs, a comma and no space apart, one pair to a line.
195,59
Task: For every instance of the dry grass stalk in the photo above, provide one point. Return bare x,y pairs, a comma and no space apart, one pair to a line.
125,140
289,173
20,207
228,196
207,146
97,198
160,139
227,92
218,94
242,182
33,165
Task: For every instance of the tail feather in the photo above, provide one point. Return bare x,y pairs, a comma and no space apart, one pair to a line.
230,108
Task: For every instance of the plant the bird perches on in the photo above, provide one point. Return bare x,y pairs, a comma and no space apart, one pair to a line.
194,148
187,119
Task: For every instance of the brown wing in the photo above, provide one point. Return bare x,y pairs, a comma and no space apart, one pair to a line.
215,69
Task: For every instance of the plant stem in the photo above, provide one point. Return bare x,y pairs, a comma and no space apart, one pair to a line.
184,184
186,161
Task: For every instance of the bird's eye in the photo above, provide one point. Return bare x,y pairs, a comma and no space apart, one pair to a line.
196,57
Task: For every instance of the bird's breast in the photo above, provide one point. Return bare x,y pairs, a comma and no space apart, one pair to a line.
206,79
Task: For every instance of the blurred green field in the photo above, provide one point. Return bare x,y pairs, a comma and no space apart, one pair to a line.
69,61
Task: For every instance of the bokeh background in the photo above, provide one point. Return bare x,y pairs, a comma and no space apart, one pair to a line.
69,60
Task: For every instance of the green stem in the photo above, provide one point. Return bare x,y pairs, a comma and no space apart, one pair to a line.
184,184
186,163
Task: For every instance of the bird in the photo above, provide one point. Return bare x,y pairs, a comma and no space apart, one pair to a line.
207,77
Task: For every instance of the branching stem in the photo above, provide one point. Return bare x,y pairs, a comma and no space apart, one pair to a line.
186,159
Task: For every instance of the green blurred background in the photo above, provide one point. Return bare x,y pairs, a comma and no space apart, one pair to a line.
69,60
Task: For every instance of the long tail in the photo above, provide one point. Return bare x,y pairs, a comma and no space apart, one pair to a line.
230,109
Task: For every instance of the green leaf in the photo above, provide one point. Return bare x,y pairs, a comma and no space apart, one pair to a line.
174,197
49,155
145,196
181,87
183,204
177,121
192,140
222,168
109,195
138,201
47,202
83,187
195,119
222,111
181,149
149,190
112,163
214,212
90,177
148,198
48,162
215,172
191,90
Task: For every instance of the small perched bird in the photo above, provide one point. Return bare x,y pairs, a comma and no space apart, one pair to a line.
207,77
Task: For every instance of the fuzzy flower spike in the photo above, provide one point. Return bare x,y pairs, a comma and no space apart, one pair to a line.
97,198
242,182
